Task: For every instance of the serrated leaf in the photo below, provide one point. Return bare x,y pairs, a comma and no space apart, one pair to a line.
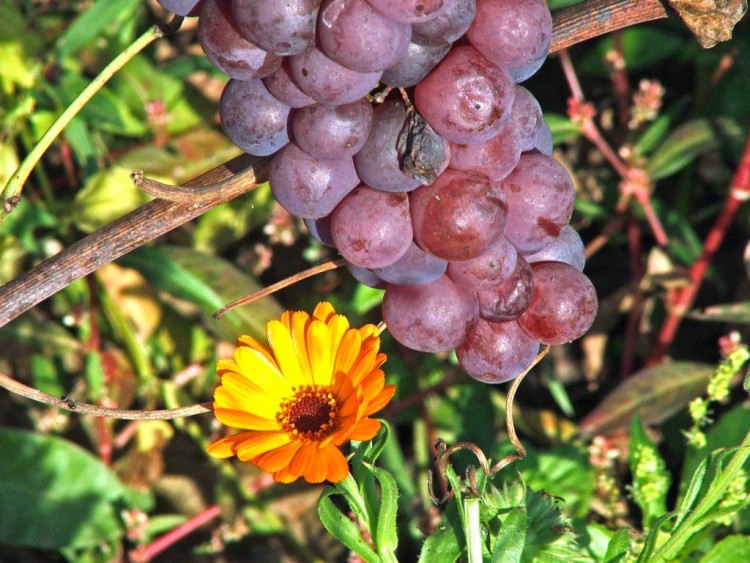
53,494
342,528
724,313
208,281
656,393
688,142
617,549
511,539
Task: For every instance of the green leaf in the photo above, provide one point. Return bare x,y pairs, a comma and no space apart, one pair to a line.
618,547
651,538
208,281
443,545
642,46
106,196
342,528
724,313
650,478
366,298
54,494
688,142
562,128
511,540
731,548
386,534
655,392
91,24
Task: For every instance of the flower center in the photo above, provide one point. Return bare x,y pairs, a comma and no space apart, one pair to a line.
310,414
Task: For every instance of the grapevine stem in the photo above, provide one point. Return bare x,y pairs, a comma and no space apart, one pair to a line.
68,404
15,184
273,288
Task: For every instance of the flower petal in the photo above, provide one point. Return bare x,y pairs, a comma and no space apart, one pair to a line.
318,469
251,397
226,446
381,400
257,443
284,476
299,323
338,468
254,364
275,460
303,458
348,351
319,347
243,419
365,429
323,311
283,349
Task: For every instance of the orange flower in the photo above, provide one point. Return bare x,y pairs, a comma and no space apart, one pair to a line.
299,402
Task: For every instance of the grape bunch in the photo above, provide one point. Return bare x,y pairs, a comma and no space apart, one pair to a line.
400,134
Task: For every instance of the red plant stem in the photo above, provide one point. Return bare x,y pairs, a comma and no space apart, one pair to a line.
621,82
739,191
104,438
148,552
636,273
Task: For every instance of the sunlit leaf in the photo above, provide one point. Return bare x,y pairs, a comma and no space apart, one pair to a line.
91,23
208,281
53,494
689,141
656,393
731,548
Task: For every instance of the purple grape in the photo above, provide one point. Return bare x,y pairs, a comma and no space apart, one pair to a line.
417,63
378,161
432,317
252,118
372,229
227,49
282,87
320,230
466,98
413,268
308,187
356,36
567,248
563,306
281,28
410,11
540,199
365,276
328,82
528,69
508,300
459,216
526,118
495,158
496,352
448,27
544,142
511,33
332,131
190,8
487,270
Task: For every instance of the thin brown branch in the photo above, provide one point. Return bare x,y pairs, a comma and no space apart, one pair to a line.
273,288
68,404
124,235
593,18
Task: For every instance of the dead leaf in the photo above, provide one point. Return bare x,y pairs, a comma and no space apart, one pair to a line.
711,21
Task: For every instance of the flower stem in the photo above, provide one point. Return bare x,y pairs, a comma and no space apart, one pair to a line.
472,529
15,184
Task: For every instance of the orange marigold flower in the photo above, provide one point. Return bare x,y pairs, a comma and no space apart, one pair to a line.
299,402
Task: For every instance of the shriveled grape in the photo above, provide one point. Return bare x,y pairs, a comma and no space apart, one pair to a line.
511,297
